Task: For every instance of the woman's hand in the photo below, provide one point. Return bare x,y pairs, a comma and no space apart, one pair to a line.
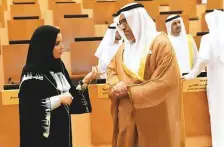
66,98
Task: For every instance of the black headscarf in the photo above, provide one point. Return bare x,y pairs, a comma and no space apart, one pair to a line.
40,57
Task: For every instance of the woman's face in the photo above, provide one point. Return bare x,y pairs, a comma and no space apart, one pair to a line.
58,47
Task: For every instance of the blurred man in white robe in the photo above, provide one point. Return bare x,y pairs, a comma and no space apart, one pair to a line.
184,44
107,49
211,54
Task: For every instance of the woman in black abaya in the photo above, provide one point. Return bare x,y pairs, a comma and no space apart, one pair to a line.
46,93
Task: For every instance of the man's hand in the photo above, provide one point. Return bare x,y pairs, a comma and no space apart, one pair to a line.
92,75
120,90
183,78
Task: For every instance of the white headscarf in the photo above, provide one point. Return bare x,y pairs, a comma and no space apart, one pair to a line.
173,18
107,48
144,30
215,22
180,44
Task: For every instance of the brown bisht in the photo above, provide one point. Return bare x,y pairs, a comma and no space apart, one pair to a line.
150,115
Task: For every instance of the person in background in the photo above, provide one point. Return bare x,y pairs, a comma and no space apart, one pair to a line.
183,43
107,49
211,54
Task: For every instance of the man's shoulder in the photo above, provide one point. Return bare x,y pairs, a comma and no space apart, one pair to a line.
162,39
162,44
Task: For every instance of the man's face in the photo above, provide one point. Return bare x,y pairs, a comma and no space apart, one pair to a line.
176,28
117,36
123,25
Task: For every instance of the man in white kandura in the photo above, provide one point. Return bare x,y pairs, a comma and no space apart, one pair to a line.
211,54
184,44
107,49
